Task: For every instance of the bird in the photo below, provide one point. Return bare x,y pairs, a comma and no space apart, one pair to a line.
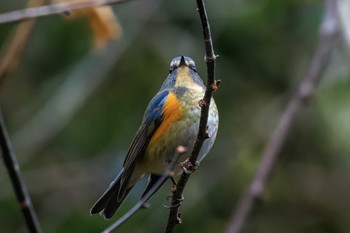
171,120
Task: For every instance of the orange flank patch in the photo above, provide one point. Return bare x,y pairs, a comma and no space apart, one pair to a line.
172,112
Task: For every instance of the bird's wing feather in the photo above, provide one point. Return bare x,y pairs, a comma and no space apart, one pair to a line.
152,120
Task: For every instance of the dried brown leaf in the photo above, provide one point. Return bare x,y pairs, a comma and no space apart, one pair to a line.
102,21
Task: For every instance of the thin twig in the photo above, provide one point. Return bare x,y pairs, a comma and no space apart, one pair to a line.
140,203
53,9
17,182
210,57
327,41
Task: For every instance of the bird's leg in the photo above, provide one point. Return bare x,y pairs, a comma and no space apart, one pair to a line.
170,197
173,180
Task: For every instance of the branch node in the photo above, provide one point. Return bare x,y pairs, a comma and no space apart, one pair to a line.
179,218
202,103
188,167
173,188
215,85
210,58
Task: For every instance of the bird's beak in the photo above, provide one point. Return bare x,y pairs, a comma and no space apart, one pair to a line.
182,61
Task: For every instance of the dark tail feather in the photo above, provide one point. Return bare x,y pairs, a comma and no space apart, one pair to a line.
117,199
114,203
153,179
108,203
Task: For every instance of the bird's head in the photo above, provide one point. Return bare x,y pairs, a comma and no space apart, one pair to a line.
182,73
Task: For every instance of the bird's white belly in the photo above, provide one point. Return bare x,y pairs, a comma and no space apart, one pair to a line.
183,133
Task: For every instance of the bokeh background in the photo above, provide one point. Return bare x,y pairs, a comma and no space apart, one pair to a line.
72,110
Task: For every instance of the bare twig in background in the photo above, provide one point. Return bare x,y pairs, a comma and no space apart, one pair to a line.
53,9
210,57
17,182
327,41
15,43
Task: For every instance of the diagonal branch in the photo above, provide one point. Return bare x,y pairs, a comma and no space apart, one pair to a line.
17,182
327,41
210,57
54,9
167,172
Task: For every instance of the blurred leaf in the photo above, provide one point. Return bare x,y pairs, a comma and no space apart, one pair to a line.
102,21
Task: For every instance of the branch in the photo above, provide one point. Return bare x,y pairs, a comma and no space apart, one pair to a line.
306,90
54,9
210,57
17,182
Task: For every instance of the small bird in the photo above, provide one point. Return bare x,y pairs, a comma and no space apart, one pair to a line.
170,120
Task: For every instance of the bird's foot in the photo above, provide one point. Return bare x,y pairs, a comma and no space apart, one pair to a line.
188,167
175,203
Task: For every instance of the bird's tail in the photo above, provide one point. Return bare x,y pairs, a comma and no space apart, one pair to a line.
112,199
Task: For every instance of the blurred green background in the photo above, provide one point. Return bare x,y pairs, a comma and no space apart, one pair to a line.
72,112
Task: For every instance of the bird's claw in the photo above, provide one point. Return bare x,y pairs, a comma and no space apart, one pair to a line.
173,205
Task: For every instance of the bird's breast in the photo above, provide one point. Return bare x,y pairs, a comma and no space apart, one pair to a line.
179,127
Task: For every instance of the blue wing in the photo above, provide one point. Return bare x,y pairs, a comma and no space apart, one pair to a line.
111,200
151,121
154,109
116,193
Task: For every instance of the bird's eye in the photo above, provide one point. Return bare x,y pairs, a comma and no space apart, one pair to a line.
172,67
174,64
191,64
192,67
